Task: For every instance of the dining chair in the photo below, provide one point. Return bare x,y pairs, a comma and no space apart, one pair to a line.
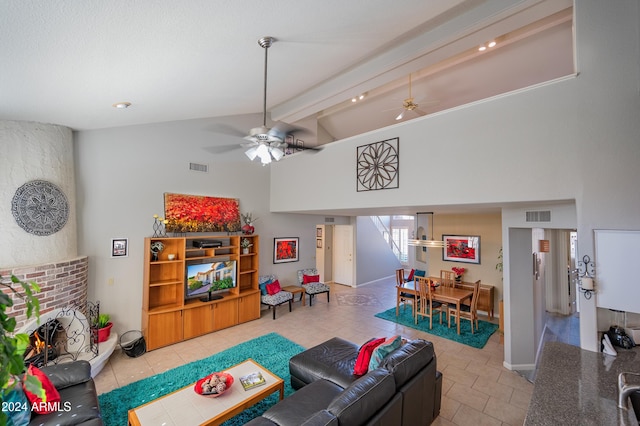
447,278
426,306
403,297
468,312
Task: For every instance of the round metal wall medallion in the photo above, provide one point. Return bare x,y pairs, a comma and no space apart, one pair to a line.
40,208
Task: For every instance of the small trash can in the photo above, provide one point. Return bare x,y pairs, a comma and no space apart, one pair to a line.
133,344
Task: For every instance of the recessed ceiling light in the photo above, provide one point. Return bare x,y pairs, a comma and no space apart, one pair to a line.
361,97
121,105
482,48
354,100
491,44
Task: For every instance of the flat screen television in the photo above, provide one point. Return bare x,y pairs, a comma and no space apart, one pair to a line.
207,276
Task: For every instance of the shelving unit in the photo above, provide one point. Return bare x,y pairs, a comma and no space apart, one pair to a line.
167,317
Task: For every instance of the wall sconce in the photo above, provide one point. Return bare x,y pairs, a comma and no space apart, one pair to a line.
544,246
586,274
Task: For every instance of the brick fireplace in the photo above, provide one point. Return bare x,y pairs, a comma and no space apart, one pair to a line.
62,284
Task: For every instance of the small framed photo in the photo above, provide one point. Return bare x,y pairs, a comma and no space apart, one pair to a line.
290,148
461,248
285,250
318,243
299,145
319,232
119,247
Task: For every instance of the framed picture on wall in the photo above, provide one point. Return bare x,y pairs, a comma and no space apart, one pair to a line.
285,250
318,243
461,248
319,232
119,247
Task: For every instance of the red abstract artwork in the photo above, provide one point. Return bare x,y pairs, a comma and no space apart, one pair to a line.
194,213
285,250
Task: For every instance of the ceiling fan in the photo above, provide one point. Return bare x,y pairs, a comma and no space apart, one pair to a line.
409,105
263,142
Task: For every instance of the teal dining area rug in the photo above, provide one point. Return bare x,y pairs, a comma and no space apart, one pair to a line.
478,339
272,351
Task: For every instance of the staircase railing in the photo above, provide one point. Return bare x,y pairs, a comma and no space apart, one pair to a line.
386,234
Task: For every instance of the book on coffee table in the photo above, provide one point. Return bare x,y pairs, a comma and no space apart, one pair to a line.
252,380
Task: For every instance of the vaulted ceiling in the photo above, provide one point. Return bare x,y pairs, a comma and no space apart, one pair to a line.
68,62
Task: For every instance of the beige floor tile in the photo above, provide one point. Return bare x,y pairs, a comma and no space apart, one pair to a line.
493,389
468,396
505,412
466,416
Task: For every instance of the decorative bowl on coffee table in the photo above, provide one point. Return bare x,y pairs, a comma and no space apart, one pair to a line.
213,385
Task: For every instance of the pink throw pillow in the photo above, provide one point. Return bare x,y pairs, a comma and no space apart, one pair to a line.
306,279
364,356
273,288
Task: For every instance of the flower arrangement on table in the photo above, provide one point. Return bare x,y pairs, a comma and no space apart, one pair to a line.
458,272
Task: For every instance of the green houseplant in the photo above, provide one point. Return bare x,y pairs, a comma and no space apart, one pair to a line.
245,243
104,327
12,346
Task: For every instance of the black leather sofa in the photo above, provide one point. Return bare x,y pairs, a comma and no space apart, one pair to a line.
75,385
405,390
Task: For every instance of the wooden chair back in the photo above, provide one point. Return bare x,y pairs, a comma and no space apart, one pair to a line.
447,278
399,277
425,306
474,299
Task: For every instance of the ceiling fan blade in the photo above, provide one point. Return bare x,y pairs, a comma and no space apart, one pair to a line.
281,130
221,149
419,111
399,117
225,129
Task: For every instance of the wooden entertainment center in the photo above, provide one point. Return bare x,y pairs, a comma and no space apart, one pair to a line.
167,317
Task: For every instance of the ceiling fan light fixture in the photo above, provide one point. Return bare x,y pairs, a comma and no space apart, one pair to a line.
277,153
251,153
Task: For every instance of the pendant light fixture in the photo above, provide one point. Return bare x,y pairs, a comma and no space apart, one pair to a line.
430,242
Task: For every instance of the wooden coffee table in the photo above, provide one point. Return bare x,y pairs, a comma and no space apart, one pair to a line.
185,407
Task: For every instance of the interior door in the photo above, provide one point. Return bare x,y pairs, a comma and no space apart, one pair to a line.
343,254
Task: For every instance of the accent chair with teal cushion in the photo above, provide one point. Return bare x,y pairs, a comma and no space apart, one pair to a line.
310,281
276,299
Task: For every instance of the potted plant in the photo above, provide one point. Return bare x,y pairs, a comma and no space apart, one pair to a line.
245,243
12,346
104,327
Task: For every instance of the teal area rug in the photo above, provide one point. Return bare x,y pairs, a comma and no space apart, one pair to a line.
272,351
477,340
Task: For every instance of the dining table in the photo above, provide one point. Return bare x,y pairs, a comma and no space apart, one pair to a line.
448,295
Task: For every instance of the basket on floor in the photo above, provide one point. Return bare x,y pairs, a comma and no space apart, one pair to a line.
133,344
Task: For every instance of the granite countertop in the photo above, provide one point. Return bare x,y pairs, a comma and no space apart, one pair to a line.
579,387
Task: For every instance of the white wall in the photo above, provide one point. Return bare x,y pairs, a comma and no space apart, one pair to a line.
573,139
122,174
374,257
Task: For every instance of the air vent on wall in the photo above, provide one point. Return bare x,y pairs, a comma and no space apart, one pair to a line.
199,167
539,216
329,220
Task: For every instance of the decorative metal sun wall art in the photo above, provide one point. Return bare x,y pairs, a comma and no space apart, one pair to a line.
378,165
40,208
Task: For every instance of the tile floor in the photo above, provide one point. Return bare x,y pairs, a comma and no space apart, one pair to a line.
477,389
